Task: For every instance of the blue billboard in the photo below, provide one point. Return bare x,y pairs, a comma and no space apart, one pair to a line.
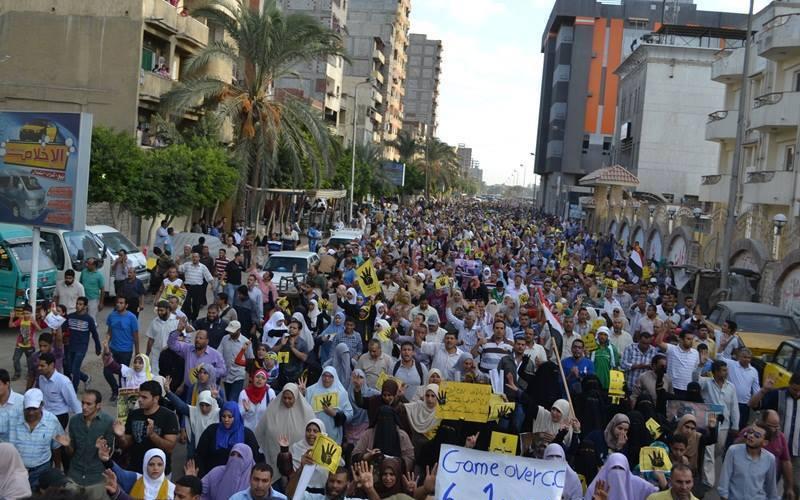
394,172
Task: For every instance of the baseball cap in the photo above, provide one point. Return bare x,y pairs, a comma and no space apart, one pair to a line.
233,327
33,399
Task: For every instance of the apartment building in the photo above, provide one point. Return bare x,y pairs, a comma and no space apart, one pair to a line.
421,99
320,81
112,59
377,46
464,155
665,96
767,236
583,44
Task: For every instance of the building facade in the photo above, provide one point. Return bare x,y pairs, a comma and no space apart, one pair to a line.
112,59
320,81
421,98
583,44
377,45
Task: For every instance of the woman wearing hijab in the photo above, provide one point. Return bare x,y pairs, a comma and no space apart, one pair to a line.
253,401
334,328
202,415
264,360
382,332
225,480
13,474
434,377
286,415
305,333
620,483
274,329
359,422
290,455
695,441
421,417
390,478
218,439
320,397
387,397
556,422
572,483
343,363
386,438
201,380
132,376
613,439
152,485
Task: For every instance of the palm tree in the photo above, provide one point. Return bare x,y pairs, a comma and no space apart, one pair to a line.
407,145
441,164
266,46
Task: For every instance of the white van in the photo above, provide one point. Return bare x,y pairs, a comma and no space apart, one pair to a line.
71,250
113,241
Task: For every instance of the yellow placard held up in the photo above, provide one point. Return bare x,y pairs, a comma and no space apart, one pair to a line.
589,342
646,273
503,443
463,401
596,324
654,428
616,385
588,270
283,357
320,401
383,377
495,410
367,279
442,282
326,453
174,291
654,458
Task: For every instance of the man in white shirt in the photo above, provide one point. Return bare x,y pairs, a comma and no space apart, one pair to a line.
744,378
491,351
68,291
158,333
435,332
682,360
610,302
718,390
619,338
445,357
517,288
373,362
59,394
467,329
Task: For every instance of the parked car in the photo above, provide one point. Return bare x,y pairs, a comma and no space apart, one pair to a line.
16,251
286,265
113,241
22,194
343,237
783,363
762,327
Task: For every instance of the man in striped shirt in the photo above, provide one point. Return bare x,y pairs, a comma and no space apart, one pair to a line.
219,270
491,351
194,275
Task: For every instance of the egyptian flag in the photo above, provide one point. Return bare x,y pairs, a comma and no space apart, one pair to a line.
551,318
635,265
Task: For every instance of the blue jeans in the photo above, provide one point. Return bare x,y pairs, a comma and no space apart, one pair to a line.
233,390
34,473
230,290
74,361
123,358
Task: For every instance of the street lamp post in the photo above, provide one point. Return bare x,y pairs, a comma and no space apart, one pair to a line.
671,211
778,221
355,128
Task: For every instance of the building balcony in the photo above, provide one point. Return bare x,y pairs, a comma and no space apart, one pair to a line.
153,86
377,97
780,37
775,110
378,55
769,187
333,102
376,116
192,32
378,76
729,66
714,188
721,125
162,15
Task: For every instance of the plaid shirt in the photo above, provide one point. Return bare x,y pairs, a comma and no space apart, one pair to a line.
34,447
634,356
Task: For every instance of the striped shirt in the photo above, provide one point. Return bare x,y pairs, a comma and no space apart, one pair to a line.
219,266
194,274
491,354
33,446
633,355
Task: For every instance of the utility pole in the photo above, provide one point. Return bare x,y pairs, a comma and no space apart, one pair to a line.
736,167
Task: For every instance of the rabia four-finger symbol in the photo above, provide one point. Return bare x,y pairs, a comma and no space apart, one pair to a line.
366,277
326,401
327,454
442,397
657,459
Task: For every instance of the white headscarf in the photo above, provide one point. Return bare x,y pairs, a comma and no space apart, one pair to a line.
335,433
422,418
354,300
279,420
199,422
152,486
572,485
272,324
544,421
313,313
299,448
305,333
13,474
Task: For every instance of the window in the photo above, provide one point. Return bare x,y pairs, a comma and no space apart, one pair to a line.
148,59
585,144
788,159
796,83
51,246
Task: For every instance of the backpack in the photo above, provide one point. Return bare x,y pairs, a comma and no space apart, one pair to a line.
416,365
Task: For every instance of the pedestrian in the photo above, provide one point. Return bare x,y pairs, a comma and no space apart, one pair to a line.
26,338
94,286
81,326
68,291
749,471
85,429
123,333
196,278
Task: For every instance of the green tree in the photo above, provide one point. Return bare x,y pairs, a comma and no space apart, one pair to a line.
267,44
441,165
115,161
407,146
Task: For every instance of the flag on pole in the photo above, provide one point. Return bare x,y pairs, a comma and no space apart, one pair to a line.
548,314
635,265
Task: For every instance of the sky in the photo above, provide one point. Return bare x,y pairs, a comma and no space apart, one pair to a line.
491,76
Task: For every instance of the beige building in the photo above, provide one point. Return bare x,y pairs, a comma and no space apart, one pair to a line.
767,237
112,59
320,81
377,44
421,99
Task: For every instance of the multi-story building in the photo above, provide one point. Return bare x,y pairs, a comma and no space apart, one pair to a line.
464,157
320,81
583,44
767,236
665,95
112,59
422,86
377,45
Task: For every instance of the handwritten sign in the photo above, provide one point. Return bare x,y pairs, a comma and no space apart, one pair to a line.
653,427
654,458
320,401
326,453
383,377
498,406
480,475
503,443
463,401
367,279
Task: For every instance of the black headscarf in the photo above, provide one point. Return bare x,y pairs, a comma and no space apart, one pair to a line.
387,435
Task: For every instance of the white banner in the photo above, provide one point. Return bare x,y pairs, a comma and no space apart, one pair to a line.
479,475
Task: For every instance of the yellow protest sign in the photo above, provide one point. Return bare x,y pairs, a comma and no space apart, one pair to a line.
616,385
502,408
654,458
326,453
524,298
283,357
463,401
653,427
596,324
589,342
442,282
612,283
367,279
588,270
503,443
646,273
320,401
383,377
174,291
